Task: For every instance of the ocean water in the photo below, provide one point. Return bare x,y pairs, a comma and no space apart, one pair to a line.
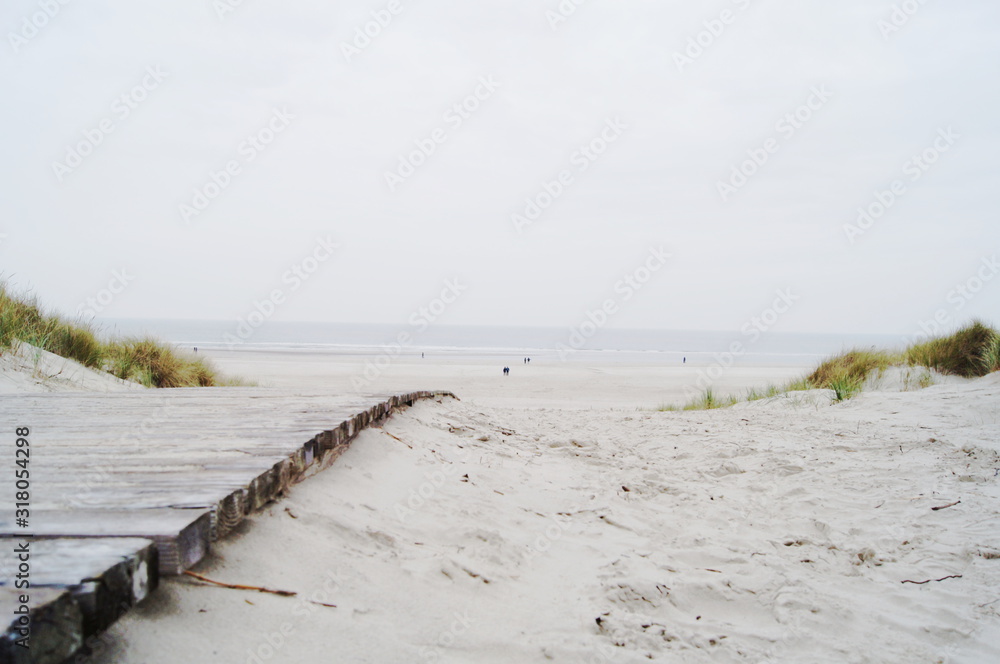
605,345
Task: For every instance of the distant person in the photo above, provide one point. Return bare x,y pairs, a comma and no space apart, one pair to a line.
421,356
529,360
685,361
196,349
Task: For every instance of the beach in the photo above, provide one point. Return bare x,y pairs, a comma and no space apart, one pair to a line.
599,382
554,515
500,332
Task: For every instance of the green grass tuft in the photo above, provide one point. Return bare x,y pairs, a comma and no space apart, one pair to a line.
991,355
851,368
970,352
150,362
146,361
844,387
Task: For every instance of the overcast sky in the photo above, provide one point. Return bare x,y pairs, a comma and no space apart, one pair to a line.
117,116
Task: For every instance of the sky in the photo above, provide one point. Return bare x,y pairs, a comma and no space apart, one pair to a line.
830,167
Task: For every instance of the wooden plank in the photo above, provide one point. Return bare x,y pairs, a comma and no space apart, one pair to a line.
178,468
56,626
183,537
106,577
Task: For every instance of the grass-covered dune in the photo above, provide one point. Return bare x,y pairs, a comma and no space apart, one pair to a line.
143,360
970,352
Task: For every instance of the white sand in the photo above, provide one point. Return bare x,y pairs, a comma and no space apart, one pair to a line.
30,369
778,531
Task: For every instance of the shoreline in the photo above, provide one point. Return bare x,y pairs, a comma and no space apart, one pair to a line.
582,385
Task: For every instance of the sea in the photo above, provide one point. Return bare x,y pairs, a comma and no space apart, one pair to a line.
509,344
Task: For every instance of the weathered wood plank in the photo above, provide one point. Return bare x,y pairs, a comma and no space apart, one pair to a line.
105,577
105,464
183,537
56,626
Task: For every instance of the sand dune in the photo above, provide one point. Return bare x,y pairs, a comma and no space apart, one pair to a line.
777,531
30,369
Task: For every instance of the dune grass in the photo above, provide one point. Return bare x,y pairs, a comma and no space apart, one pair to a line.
144,360
970,352
150,362
991,355
756,394
846,374
709,401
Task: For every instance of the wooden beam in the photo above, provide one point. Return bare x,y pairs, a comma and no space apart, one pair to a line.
183,537
56,626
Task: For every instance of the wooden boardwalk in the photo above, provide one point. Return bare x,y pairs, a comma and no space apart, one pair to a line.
126,487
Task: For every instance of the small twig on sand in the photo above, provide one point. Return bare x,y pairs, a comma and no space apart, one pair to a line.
235,586
396,437
920,583
941,507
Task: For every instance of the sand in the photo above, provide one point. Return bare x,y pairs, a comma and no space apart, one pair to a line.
30,369
554,517
546,382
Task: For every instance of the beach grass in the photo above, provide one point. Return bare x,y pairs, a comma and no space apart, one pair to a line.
148,361
853,367
970,352
991,355
708,401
